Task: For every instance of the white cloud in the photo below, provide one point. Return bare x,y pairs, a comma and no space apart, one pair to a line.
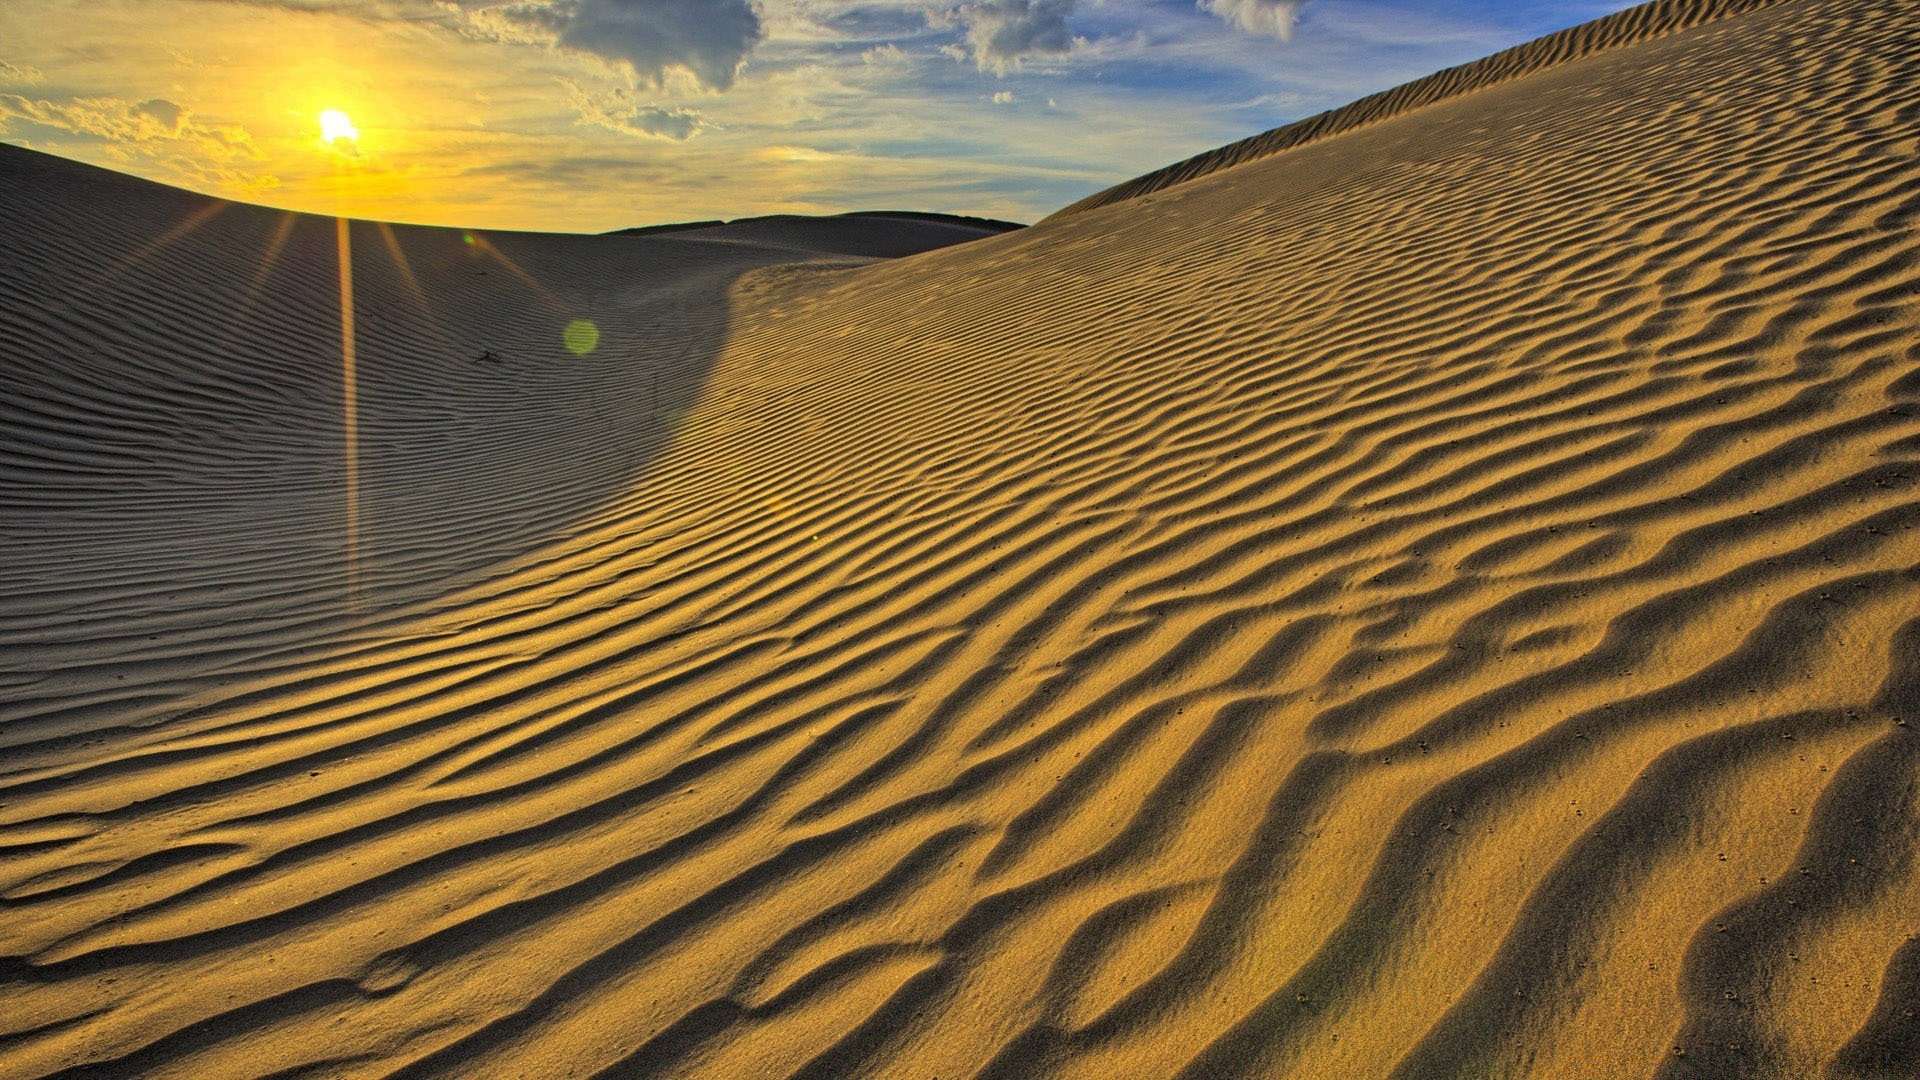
1004,97
1270,18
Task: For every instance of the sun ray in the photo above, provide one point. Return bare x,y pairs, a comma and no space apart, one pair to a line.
236,321
487,248
158,244
269,258
126,263
349,381
405,266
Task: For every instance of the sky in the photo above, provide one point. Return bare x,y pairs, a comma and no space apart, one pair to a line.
591,115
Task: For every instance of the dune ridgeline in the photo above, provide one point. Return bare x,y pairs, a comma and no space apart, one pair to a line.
1433,592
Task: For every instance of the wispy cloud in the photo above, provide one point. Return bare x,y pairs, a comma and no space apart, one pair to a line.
617,109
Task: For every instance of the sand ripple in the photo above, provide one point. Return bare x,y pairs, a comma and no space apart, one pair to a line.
1440,601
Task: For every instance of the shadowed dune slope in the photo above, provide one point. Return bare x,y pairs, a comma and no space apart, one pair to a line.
1440,601
174,398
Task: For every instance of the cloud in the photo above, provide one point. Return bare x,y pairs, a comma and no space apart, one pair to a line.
116,121
211,155
1003,32
1270,18
659,123
20,74
1004,97
171,117
707,39
617,110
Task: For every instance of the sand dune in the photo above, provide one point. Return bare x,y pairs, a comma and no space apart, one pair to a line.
1441,600
1636,24
174,474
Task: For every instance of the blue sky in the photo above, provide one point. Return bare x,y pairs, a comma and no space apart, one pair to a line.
585,115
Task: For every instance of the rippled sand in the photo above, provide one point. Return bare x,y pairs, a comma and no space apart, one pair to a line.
1436,598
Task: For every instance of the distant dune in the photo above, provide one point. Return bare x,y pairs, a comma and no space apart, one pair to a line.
1436,599
881,233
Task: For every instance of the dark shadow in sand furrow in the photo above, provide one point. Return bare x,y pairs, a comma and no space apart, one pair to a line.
199,353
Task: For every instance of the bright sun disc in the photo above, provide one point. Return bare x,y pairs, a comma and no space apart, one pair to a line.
335,126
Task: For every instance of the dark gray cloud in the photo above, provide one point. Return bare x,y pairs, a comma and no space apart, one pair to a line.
163,112
708,39
659,123
1002,32
873,22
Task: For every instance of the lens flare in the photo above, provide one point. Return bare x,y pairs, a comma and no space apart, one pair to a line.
581,337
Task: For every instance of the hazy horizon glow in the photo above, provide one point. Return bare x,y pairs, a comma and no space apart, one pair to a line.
588,115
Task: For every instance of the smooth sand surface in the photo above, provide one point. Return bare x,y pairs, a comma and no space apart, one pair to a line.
1440,600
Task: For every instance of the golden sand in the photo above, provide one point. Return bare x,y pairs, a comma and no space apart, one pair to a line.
1437,599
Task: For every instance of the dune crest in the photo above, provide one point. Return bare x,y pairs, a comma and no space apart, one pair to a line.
1442,601
1630,27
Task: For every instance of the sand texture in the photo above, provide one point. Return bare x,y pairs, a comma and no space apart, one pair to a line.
1627,27
1439,601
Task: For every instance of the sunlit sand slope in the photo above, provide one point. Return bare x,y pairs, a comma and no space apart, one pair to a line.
1634,25
1440,601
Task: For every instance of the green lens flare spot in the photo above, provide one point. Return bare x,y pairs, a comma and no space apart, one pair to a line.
581,337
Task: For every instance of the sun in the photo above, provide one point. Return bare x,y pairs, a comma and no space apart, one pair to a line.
336,130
